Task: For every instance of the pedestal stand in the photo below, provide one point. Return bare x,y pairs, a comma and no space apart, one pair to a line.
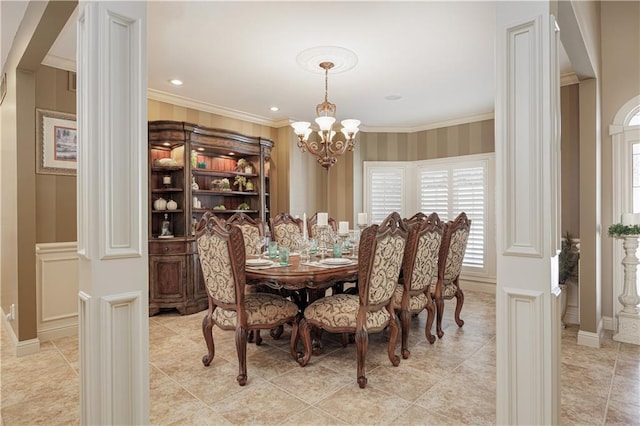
629,317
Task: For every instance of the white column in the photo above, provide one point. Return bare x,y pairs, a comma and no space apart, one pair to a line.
112,213
628,317
527,206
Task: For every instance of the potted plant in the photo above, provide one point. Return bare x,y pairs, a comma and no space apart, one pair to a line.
240,182
567,268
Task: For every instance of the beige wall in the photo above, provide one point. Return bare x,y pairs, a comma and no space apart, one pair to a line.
570,161
55,194
620,38
38,30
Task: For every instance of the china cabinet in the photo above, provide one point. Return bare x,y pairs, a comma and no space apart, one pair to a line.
194,169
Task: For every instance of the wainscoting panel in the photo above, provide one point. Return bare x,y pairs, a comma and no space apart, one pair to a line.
57,289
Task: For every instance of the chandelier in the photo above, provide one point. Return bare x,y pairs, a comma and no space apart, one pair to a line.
326,148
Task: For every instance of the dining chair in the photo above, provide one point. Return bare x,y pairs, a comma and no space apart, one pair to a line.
253,235
253,232
416,218
286,230
312,225
452,250
371,311
420,267
222,256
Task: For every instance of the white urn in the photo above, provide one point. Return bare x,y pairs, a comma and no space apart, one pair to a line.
160,204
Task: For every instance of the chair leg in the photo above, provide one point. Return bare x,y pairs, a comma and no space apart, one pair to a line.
405,319
362,343
276,332
207,327
258,338
427,329
393,339
439,310
459,303
305,333
241,349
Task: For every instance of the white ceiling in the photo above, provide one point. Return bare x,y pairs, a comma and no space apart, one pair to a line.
239,58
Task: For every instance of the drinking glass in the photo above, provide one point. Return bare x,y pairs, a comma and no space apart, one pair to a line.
284,255
337,249
272,249
313,246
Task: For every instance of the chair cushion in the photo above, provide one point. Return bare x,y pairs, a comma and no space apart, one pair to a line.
261,309
449,290
341,310
416,303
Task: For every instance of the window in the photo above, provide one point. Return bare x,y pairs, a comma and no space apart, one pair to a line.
446,186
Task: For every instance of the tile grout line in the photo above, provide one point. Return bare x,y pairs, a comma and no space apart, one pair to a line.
613,376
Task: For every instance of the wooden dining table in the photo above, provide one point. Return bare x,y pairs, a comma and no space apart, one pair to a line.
310,275
304,282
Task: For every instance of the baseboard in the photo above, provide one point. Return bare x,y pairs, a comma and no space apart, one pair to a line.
27,347
572,316
481,286
58,332
610,323
592,340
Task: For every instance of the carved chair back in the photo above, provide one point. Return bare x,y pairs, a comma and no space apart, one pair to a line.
222,257
312,225
252,231
380,258
453,248
420,264
286,230
415,219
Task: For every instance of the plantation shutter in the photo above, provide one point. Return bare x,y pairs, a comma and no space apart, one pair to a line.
468,195
386,192
434,192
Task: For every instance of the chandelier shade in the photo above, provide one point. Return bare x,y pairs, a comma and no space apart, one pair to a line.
326,148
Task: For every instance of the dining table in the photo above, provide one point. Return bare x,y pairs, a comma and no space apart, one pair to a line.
304,281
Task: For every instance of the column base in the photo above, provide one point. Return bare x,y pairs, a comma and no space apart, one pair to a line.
628,328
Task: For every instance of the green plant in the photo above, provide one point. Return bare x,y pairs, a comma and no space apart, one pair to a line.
618,229
240,181
568,259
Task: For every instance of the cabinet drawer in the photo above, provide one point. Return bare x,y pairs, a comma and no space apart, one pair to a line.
165,247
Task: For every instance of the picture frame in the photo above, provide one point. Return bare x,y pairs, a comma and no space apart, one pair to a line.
57,143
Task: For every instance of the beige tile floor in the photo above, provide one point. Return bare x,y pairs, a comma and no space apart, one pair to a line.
450,382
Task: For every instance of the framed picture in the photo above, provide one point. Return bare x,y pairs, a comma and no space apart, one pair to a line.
57,143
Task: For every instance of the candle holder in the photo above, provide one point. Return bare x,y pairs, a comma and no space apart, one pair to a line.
323,240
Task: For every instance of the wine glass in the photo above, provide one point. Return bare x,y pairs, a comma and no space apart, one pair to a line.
260,244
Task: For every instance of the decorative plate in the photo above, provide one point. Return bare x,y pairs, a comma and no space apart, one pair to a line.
335,261
258,262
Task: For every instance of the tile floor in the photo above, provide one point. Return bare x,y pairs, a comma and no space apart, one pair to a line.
450,382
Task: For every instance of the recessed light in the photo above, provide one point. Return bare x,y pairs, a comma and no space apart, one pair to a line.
176,82
166,144
393,97
200,149
232,153
274,108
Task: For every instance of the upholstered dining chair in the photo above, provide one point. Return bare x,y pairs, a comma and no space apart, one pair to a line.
312,225
222,256
452,250
286,230
420,268
371,311
252,232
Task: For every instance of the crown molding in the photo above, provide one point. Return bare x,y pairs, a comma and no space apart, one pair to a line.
430,126
160,96
568,79
59,62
